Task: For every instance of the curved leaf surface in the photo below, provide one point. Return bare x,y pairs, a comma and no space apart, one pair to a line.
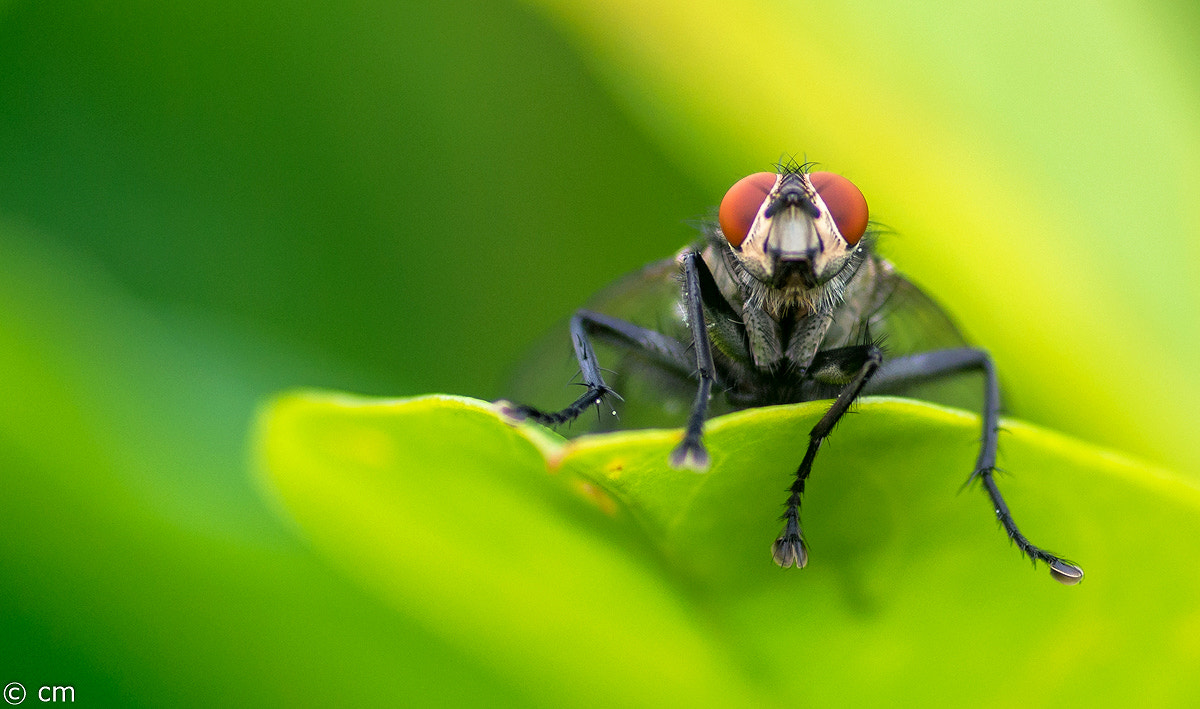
550,559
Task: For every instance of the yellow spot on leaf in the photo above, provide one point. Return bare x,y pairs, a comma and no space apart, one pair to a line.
597,496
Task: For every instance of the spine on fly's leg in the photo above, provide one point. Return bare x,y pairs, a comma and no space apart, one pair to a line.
665,350
597,390
789,549
594,396
985,467
1062,570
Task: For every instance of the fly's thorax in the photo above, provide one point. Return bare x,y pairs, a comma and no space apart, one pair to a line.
745,290
765,331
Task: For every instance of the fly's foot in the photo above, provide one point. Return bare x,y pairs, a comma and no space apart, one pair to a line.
595,396
515,413
519,413
789,550
1065,573
690,454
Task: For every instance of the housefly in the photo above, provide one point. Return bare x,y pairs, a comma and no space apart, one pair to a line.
782,302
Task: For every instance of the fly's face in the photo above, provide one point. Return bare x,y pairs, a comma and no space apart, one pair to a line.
794,230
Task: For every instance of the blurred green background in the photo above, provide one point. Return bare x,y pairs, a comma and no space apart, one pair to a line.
201,205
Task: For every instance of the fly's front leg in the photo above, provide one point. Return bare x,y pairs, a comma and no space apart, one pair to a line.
932,365
854,367
664,349
698,286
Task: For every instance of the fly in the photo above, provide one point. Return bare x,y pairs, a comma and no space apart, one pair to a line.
782,302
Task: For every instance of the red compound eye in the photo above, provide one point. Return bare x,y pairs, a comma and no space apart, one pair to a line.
741,204
846,203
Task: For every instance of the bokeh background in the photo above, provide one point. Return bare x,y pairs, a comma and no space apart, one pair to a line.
201,205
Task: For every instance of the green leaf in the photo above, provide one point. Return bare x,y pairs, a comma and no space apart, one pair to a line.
452,517
550,560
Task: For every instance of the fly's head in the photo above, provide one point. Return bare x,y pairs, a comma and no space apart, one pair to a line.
793,231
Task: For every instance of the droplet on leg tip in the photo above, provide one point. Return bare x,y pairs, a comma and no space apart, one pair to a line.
1064,573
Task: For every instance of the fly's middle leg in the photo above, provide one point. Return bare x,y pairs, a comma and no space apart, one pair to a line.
853,366
939,363
698,288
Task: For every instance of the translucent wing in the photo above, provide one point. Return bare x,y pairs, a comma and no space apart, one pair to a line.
908,321
892,310
655,396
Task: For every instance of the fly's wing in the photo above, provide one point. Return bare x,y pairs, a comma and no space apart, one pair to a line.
655,396
907,321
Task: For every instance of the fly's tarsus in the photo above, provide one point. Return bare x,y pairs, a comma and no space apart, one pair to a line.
1061,570
690,454
789,550
594,396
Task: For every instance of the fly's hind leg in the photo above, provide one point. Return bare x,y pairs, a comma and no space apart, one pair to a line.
853,368
585,323
932,365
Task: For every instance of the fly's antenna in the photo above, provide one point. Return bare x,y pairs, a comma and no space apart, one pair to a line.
788,165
